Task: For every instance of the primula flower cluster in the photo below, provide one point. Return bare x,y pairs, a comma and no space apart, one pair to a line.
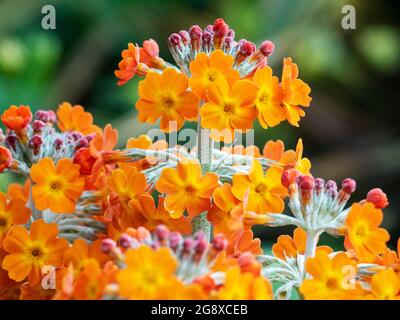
157,220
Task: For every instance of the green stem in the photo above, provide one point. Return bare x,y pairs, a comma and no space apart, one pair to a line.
204,155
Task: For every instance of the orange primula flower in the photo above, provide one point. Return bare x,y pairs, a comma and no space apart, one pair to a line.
166,96
295,93
6,159
275,150
269,97
81,253
263,193
207,69
28,252
288,247
149,55
130,65
74,118
332,278
12,212
226,211
186,188
243,241
229,107
244,286
390,258
17,118
57,187
385,285
154,216
143,278
363,233
16,190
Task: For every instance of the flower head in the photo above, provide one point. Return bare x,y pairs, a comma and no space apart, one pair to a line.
186,189
143,278
295,93
385,285
6,159
363,232
74,118
17,118
229,107
57,187
263,192
206,70
28,252
166,96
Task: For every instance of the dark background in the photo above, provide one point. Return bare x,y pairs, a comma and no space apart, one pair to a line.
351,129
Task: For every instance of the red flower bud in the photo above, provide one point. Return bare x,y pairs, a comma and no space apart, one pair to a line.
267,48
349,185
378,198
6,158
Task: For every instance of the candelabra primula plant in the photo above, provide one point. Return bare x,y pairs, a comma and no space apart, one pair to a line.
157,220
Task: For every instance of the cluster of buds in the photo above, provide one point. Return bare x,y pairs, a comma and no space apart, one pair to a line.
29,139
185,45
195,254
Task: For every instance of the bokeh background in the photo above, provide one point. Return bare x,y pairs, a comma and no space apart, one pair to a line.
351,129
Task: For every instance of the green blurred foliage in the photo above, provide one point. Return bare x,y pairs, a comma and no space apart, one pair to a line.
351,128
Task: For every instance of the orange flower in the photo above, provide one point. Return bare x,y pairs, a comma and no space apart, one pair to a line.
57,187
263,193
166,96
390,258
186,188
15,190
332,278
363,232
295,93
275,150
130,65
225,212
207,69
30,251
81,254
12,212
244,286
145,206
6,159
286,247
269,96
243,241
74,118
35,293
229,107
83,157
143,278
385,285
149,55
17,118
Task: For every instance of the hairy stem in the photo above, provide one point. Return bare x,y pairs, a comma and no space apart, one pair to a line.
311,244
204,155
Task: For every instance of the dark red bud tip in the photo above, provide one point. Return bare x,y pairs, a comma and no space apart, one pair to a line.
289,177
175,239
107,245
306,183
174,39
195,32
184,36
188,245
378,198
162,232
247,48
207,36
319,183
35,142
220,28
38,125
201,246
125,240
349,185
267,48
219,242
42,115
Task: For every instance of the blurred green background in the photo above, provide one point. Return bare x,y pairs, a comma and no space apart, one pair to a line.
351,128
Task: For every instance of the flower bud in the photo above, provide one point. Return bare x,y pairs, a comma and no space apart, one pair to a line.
162,232
42,115
188,245
248,263
38,126
58,143
34,143
184,37
174,41
107,245
195,34
220,28
125,241
6,158
219,242
201,246
289,177
11,141
378,198
319,184
52,116
331,188
349,185
267,48
247,48
175,239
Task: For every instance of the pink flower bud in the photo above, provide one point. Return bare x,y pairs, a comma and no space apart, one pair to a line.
52,116
349,185
184,37
220,28
319,184
58,143
34,143
162,232
174,40
42,115
175,239
11,141
201,246
219,242
188,245
289,177
267,48
195,32
378,198
38,126
306,183
247,48
107,245
125,241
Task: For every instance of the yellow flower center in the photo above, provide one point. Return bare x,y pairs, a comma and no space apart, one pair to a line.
56,185
264,97
190,189
228,107
3,222
332,283
36,252
212,76
261,188
361,232
167,102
